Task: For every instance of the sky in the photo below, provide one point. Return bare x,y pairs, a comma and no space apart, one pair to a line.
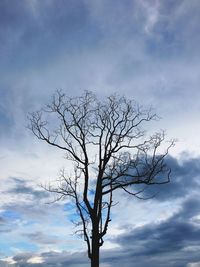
147,50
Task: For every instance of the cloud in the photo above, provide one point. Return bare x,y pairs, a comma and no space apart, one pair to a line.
184,180
194,264
4,227
99,46
164,243
26,202
53,259
21,187
28,224
173,242
2,220
170,241
41,238
30,31
148,50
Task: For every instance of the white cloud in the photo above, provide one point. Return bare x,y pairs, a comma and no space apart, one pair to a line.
152,13
35,259
9,260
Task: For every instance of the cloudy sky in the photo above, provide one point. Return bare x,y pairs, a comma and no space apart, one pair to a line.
147,50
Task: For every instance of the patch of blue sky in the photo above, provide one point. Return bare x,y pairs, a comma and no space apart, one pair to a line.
68,206
10,215
25,246
6,247
72,214
74,217
91,192
72,243
28,223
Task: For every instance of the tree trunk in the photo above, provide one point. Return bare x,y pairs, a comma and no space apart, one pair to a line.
95,247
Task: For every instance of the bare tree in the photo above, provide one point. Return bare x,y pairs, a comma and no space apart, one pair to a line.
110,151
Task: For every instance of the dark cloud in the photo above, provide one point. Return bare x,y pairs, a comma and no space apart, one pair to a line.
171,241
51,259
66,259
21,258
167,236
185,180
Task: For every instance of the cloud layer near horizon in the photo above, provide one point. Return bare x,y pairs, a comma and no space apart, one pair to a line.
170,238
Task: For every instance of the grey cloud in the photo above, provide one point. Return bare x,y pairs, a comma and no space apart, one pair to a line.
173,33
5,226
21,258
86,36
165,242
185,180
30,211
3,231
42,27
168,236
4,264
51,259
42,238
20,186
68,259
48,27
2,220
28,205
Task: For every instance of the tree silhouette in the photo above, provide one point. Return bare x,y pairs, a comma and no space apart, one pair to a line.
110,151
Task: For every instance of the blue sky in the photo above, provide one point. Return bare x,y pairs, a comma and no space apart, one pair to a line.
147,50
